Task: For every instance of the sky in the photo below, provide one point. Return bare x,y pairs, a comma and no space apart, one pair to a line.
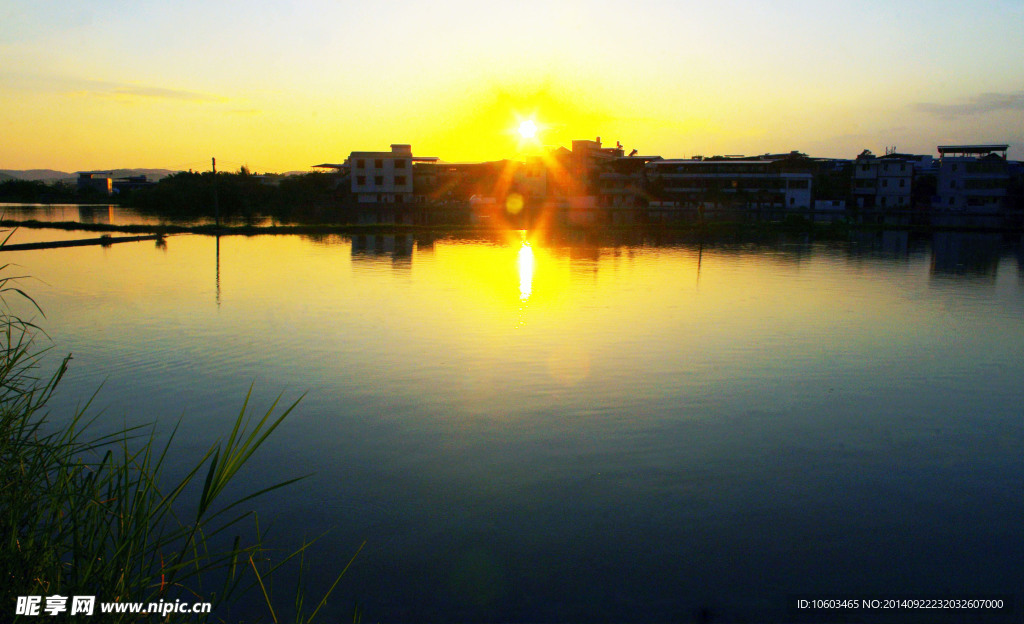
283,86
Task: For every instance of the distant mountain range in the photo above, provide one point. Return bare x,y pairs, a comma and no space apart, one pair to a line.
49,175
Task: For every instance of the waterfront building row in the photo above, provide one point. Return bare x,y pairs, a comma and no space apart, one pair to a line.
591,183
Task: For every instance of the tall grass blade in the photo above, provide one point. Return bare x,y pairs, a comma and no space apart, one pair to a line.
89,514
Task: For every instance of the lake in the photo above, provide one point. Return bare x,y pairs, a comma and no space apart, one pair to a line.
531,427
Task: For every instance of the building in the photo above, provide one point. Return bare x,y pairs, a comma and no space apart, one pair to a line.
924,164
99,181
622,188
883,182
726,186
593,184
131,183
447,181
973,178
585,161
494,191
383,177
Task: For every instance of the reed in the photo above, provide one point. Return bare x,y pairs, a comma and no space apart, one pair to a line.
92,515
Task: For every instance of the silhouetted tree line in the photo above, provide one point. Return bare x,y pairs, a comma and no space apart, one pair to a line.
38,192
239,195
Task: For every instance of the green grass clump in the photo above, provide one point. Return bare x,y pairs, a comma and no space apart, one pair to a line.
84,514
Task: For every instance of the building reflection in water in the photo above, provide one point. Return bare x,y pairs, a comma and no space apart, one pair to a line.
397,247
896,243
965,253
890,243
1020,259
96,214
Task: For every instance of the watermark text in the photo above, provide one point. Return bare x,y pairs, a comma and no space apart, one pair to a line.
56,604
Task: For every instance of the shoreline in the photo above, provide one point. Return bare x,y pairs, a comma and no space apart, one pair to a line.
709,228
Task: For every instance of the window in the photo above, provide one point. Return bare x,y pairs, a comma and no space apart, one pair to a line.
903,183
901,201
792,200
950,201
983,167
885,183
360,164
954,166
883,201
378,180
378,164
360,180
952,184
400,164
399,180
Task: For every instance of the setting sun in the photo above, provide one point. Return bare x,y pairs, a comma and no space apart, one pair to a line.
528,129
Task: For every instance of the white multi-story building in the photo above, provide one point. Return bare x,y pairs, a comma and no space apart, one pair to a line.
974,178
383,177
883,182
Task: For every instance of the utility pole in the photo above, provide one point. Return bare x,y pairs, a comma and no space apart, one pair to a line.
216,203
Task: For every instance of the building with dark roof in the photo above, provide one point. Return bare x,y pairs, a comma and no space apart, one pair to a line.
972,178
101,181
728,186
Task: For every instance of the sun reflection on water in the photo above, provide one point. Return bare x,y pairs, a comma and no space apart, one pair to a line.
526,264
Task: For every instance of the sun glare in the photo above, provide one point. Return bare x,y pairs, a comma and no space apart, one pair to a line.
526,263
528,129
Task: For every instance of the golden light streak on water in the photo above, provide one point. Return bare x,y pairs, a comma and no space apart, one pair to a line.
526,264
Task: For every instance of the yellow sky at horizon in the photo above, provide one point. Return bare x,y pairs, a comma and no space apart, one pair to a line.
282,88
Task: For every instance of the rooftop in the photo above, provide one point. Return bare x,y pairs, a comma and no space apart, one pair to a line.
709,161
971,149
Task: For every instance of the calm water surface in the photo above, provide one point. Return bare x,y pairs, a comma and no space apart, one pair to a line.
105,214
540,429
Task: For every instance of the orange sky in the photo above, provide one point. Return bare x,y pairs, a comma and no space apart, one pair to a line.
285,86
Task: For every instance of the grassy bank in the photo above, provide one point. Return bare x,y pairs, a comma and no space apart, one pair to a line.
83,514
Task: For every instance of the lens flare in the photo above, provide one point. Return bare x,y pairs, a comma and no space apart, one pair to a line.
514,203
